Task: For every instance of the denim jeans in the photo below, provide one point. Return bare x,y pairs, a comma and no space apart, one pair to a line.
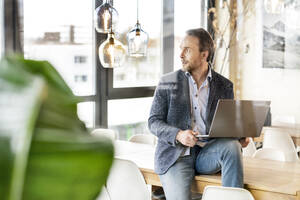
222,154
177,180
217,155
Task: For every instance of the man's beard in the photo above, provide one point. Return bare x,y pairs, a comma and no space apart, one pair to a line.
188,67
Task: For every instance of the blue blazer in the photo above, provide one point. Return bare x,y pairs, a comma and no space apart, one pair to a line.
171,112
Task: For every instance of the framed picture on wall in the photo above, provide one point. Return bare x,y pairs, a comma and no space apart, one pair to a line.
281,35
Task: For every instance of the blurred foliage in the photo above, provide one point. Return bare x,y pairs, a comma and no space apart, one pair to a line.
46,152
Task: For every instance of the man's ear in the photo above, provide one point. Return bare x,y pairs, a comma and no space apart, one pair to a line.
204,55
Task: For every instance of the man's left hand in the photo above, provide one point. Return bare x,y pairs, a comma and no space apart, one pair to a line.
244,141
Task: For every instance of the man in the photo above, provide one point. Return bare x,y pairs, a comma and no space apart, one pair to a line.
183,106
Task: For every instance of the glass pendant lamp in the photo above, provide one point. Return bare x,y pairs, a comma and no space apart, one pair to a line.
105,16
111,52
137,39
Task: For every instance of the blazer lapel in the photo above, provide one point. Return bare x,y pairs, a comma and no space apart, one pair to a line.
185,92
211,100
212,94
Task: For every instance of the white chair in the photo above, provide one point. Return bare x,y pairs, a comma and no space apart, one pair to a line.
277,139
250,149
226,193
125,181
109,133
103,195
144,138
284,120
270,154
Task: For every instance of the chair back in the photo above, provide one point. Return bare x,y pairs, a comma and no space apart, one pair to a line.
125,181
250,149
109,133
284,120
144,139
270,154
277,139
103,195
226,193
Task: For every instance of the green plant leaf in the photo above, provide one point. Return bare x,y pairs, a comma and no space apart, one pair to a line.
46,152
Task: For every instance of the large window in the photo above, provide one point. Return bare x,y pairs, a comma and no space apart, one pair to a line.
61,31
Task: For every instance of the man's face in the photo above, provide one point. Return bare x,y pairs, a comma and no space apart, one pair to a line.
190,55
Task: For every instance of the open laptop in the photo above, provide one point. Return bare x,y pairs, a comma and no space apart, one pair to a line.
238,118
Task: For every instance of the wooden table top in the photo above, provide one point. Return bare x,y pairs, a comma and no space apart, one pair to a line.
267,175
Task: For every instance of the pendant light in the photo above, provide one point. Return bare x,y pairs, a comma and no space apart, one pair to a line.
137,39
111,52
105,16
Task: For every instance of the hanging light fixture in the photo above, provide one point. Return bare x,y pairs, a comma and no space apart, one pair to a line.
137,39
111,52
274,6
105,16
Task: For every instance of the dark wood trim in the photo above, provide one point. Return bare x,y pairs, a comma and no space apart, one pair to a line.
167,36
11,27
88,98
133,92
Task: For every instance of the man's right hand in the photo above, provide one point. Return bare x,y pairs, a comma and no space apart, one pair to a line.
187,138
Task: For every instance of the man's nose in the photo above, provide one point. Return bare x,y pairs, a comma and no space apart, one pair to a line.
182,54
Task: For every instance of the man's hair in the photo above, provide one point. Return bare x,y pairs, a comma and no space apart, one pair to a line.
206,42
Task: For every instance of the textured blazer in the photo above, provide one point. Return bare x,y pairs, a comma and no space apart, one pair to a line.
171,112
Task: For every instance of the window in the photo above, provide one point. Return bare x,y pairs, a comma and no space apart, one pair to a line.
129,116
67,40
80,78
80,59
144,71
54,31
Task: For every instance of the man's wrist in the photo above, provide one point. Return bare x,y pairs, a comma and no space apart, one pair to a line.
177,137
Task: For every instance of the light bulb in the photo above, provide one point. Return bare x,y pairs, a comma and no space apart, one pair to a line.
106,19
105,16
111,52
137,43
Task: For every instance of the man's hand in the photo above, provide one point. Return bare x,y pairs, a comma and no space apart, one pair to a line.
244,141
187,138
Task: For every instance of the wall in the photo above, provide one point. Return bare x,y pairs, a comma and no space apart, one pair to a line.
281,86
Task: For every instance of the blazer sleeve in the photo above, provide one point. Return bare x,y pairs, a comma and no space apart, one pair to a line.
157,122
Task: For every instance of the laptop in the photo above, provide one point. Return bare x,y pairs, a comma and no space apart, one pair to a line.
238,118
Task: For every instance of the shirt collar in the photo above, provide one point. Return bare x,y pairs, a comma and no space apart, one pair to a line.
208,77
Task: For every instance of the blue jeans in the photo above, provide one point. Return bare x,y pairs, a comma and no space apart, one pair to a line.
217,155
223,154
177,180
